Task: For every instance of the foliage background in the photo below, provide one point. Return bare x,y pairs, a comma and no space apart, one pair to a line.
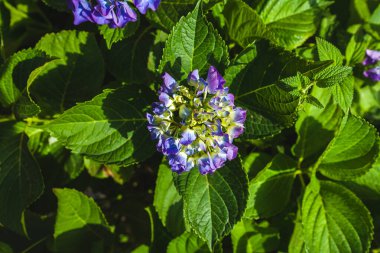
79,173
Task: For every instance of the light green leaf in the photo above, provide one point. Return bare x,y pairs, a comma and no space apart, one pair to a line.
76,211
355,51
255,162
328,51
214,203
352,151
343,93
74,77
292,22
188,243
111,128
193,44
244,25
269,191
297,242
367,186
316,127
21,182
113,35
247,236
14,74
333,75
167,201
334,219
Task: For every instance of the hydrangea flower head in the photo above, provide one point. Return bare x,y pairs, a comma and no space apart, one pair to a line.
114,13
195,124
372,57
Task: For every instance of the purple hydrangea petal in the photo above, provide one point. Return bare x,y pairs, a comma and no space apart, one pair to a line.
188,137
150,118
239,115
372,57
374,74
219,159
169,85
215,80
205,165
155,132
144,5
235,131
231,151
105,7
165,99
158,108
122,14
82,11
171,146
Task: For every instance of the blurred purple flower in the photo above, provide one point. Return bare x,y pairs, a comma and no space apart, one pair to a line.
372,57
373,73
144,5
195,125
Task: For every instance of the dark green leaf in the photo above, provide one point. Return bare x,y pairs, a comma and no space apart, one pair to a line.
274,183
21,181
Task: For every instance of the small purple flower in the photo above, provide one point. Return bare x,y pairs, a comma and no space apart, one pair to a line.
144,5
195,125
372,57
122,13
373,73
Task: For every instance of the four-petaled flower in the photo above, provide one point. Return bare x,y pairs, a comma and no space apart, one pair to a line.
114,13
195,125
372,57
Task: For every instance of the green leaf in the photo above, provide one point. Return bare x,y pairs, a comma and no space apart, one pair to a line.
25,107
297,242
21,182
5,248
113,35
343,93
170,12
333,75
167,201
334,219
244,25
328,51
74,77
274,183
247,236
127,60
355,51
188,243
214,203
255,162
352,151
316,127
367,186
193,44
14,74
111,128
75,211
292,22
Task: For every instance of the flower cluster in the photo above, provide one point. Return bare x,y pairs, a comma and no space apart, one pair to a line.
372,57
111,12
195,124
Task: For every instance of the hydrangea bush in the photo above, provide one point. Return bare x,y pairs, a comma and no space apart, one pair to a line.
189,126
